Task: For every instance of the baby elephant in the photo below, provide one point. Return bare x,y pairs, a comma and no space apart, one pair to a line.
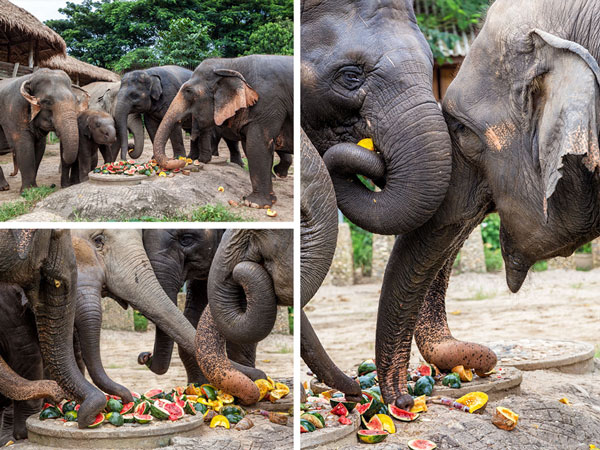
96,132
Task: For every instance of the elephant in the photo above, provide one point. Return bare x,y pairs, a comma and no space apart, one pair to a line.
150,92
318,238
367,73
523,117
129,278
251,273
34,105
103,95
42,262
96,131
181,256
251,99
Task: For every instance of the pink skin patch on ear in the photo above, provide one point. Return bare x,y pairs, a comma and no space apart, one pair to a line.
498,136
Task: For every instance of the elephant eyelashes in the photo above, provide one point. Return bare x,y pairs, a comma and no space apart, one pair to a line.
186,240
350,78
99,241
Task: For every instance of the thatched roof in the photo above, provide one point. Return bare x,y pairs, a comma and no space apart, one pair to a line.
18,28
80,71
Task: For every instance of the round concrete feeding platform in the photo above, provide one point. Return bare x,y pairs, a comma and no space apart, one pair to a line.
546,354
117,180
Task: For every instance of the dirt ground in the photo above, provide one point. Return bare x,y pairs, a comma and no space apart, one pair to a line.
555,304
49,174
119,350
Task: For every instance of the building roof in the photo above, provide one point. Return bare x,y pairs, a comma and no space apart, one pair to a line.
462,46
87,73
18,28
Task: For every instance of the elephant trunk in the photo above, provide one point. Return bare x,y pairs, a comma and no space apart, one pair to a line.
136,126
414,160
175,113
213,361
244,306
65,123
121,113
319,227
88,322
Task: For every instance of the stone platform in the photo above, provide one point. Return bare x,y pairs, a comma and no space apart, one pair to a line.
117,180
331,433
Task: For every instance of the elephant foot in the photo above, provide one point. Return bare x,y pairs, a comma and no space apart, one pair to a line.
4,187
237,161
90,408
280,171
452,352
256,200
145,359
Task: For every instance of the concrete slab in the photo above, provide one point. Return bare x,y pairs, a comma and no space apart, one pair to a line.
332,432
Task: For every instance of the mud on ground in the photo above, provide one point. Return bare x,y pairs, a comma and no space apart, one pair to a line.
556,304
235,179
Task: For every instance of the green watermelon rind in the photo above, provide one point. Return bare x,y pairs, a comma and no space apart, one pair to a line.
413,444
147,418
409,417
96,423
349,405
159,413
372,436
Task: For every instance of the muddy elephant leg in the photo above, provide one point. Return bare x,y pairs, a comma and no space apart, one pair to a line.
259,164
235,155
434,339
176,138
285,161
22,411
7,427
15,166
25,151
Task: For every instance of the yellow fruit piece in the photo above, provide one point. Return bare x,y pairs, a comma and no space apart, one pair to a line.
592,447
192,398
189,160
474,400
193,390
204,401
219,421
264,386
182,158
162,174
565,400
221,189
367,143
464,374
505,419
225,398
420,404
387,422
282,387
215,404
271,382
277,394
271,213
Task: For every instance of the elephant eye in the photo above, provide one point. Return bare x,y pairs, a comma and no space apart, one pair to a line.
99,241
350,77
186,240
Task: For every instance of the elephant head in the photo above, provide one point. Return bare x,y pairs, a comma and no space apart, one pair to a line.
251,274
42,262
136,94
212,95
50,93
532,132
318,234
369,75
99,127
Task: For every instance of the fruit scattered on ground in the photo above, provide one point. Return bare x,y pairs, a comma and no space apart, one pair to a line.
372,436
452,380
402,415
474,400
219,421
505,419
464,374
421,444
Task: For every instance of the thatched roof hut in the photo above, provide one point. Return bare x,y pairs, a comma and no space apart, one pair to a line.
24,39
80,72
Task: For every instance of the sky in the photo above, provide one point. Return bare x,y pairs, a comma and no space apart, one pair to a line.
44,9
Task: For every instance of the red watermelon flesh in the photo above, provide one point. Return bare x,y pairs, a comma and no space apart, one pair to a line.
363,408
175,411
400,414
127,408
375,424
425,370
421,444
340,410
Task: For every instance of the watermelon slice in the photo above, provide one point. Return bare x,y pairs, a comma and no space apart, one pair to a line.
402,415
372,436
127,408
142,408
97,421
153,393
374,424
421,444
159,412
175,411
339,410
142,418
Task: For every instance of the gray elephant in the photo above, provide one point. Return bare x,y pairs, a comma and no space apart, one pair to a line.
181,256
103,97
367,73
96,132
251,99
150,92
525,144
38,103
252,273
42,263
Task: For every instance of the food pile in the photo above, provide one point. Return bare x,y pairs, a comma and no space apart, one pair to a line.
130,167
217,407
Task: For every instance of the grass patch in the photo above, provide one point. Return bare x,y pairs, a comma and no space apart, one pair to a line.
140,323
540,266
206,213
597,355
31,196
482,295
115,366
284,350
493,259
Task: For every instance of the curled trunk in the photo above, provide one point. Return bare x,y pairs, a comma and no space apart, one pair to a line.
412,168
175,113
121,114
64,118
136,126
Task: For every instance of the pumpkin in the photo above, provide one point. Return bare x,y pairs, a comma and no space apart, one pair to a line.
465,375
505,419
474,400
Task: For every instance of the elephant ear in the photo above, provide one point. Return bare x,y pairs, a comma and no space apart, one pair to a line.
33,100
568,95
23,241
232,94
155,87
83,98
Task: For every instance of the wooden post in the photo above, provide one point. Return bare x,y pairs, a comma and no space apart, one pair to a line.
77,80
15,70
31,54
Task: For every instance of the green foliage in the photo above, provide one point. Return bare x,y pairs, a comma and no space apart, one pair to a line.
273,38
586,248
140,323
291,319
128,34
10,210
362,247
206,213
540,266
449,15
490,232
493,260
215,213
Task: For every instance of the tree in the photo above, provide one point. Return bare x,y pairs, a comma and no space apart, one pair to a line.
273,38
186,43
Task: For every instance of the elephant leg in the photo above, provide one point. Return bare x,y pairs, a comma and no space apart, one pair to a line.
87,151
317,359
235,156
7,428
151,126
65,172
434,339
25,151
15,166
176,138
22,411
3,183
259,164
285,161
195,303
39,148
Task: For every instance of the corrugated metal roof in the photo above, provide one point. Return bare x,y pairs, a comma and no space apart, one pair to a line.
466,37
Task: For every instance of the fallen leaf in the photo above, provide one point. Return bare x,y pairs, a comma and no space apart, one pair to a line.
458,312
565,400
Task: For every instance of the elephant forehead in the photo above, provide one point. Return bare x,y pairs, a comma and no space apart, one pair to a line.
500,135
